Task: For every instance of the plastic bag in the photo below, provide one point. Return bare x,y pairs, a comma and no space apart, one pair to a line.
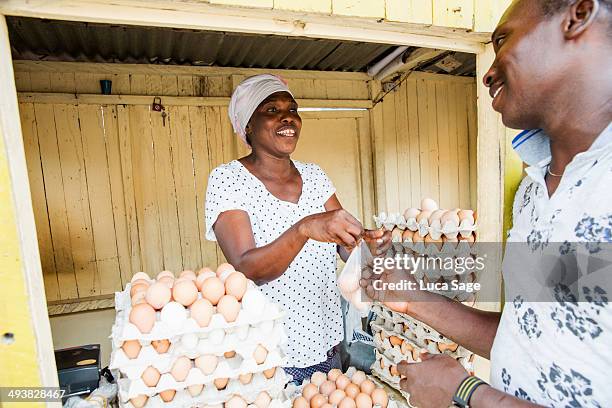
101,397
349,279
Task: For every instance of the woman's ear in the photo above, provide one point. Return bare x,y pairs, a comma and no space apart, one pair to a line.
579,18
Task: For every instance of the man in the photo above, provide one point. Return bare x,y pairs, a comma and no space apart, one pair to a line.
552,72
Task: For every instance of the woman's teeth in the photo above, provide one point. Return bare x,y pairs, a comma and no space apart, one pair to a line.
286,132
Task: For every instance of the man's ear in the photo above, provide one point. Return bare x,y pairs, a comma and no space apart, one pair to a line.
579,18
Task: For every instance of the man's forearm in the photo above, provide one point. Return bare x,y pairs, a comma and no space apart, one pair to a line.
486,396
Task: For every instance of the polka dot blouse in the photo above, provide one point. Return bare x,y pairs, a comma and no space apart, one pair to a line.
307,290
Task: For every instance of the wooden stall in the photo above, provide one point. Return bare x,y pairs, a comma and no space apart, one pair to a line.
87,198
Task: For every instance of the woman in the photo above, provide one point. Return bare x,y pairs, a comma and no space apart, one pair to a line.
280,223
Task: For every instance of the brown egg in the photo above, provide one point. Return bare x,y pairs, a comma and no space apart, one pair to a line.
318,378
204,270
150,376
236,285
167,280
235,402
333,374
188,275
195,389
181,368
245,378
143,317
342,381
229,308
229,354
131,348
213,290
352,391
138,286
207,363
139,401
309,391
158,294
347,403
263,400
140,275
327,388
161,346
221,383
269,373
363,401
317,401
203,276
185,292
139,297
367,387
358,377
164,273
327,405
379,397
224,267
393,370
395,341
300,402
336,396
167,395
201,311
260,354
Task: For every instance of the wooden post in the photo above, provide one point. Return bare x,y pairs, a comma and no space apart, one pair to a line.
26,347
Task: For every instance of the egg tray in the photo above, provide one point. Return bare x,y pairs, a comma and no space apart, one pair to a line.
184,400
396,220
131,388
123,330
448,248
390,380
269,334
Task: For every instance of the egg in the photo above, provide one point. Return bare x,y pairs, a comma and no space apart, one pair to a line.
223,268
347,403
213,290
164,273
260,354
336,396
229,308
143,317
423,217
411,213
185,292
161,346
333,374
327,387
139,401
466,214
150,376
201,311
436,215
207,363
363,401
327,405
139,297
437,242
235,402
429,204
393,371
221,383
131,348
358,377
245,378
367,387
188,275
396,235
317,401
236,285
318,378
379,397
352,391
167,280
181,368
189,341
254,301
167,395
204,270
407,235
263,400
395,341
348,282
300,402
173,314
342,381
158,295
202,277
140,275
450,216
139,286
309,391
195,389
269,373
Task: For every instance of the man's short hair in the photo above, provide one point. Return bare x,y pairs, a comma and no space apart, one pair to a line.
552,7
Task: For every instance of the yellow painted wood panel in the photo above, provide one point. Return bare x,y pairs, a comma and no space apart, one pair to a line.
414,163
310,6
403,146
453,13
445,166
359,8
390,145
487,14
245,3
410,11
62,82
40,82
463,150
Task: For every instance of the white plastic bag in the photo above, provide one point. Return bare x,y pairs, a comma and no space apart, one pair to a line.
348,281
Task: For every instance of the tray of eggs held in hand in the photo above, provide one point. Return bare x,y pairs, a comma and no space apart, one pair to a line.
205,338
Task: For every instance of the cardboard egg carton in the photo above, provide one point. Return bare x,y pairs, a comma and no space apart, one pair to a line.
124,330
392,381
448,248
211,395
184,400
436,230
243,340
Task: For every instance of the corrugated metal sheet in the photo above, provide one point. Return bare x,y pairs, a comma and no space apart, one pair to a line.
37,39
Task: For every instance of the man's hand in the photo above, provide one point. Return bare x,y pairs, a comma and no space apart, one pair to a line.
432,383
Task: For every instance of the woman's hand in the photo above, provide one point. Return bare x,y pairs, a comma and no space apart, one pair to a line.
337,226
379,241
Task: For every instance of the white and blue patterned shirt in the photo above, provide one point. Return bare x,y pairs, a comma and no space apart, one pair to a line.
557,353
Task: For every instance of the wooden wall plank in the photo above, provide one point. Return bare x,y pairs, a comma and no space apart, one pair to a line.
62,82
366,167
311,6
86,82
22,81
413,140
453,13
154,85
39,203
452,183
121,84
138,84
403,148
409,11
40,82
78,206
390,159
472,144
487,13
359,8
170,85
185,85
56,202
463,148
108,279
434,162
445,166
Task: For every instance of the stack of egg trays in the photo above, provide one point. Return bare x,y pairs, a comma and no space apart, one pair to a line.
414,337
241,337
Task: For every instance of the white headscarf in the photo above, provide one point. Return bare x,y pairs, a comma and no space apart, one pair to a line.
248,95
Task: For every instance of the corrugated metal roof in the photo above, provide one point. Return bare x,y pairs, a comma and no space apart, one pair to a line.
38,39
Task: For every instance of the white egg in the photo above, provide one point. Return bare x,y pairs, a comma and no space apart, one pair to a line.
242,332
173,314
216,336
254,302
189,341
